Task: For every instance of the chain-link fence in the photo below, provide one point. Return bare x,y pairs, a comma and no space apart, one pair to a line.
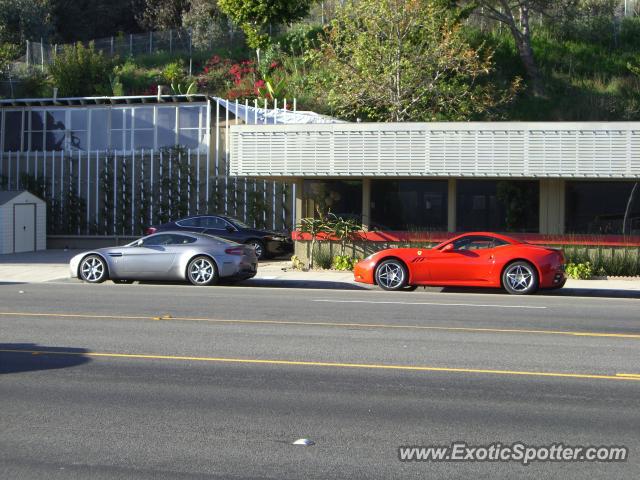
125,45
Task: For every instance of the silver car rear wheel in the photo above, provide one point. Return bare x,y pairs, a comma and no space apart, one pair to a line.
93,269
202,271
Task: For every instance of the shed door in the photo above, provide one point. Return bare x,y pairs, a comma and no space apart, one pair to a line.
24,227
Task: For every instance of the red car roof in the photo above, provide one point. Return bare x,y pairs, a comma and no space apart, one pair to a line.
481,234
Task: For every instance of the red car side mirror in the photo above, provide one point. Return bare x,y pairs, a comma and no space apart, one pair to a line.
448,247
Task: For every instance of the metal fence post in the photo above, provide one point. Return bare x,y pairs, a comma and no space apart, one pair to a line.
170,40
131,44
150,42
190,33
112,46
42,54
28,51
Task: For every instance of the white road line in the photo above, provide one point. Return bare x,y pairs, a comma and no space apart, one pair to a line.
432,303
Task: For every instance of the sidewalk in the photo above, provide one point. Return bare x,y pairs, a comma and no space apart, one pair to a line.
52,265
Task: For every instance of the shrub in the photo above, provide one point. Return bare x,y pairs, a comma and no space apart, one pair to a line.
322,258
580,271
80,71
174,73
606,260
296,263
344,262
132,79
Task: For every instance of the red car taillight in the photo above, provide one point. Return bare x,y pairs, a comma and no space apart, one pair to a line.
235,251
150,230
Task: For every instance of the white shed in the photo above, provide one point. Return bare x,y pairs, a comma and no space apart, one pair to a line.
23,222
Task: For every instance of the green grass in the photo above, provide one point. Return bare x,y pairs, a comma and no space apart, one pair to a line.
584,71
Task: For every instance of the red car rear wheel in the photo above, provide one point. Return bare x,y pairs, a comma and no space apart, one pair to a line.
520,278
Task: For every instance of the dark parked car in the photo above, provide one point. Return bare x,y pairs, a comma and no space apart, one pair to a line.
266,243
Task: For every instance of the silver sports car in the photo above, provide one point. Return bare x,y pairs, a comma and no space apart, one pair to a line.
196,257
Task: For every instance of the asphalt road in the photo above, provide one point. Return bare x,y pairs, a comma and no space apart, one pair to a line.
173,381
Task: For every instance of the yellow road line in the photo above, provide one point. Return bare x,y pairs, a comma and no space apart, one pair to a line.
415,368
329,324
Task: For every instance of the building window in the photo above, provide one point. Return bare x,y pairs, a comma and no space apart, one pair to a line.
121,129
409,205
78,129
602,207
342,198
99,128
143,128
190,126
55,130
502,206
35,131
13,131
166,126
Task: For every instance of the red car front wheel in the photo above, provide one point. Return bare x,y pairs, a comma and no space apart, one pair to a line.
392,275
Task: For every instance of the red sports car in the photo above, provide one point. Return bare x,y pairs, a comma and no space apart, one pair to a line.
476,259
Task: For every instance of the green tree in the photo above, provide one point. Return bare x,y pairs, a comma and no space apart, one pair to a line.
516,15
255,16
208,24
80,71
400,60
22,20
8,53
162,14
75,20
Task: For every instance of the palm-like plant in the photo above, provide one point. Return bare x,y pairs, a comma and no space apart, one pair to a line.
313,226
343,229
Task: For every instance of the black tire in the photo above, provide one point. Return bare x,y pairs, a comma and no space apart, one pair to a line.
261,251
520,278
202,271
122,281
392,275
93,269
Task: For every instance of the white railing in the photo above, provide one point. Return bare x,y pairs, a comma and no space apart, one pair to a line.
110,193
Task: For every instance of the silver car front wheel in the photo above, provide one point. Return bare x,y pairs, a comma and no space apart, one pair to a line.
202,271
93,269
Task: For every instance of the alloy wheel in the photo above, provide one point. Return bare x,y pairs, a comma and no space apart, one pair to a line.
93,269
202,271
519,278
257,246
391,275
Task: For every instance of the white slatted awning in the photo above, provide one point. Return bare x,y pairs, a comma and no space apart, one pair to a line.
480,149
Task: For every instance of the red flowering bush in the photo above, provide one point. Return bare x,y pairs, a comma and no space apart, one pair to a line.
233,80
